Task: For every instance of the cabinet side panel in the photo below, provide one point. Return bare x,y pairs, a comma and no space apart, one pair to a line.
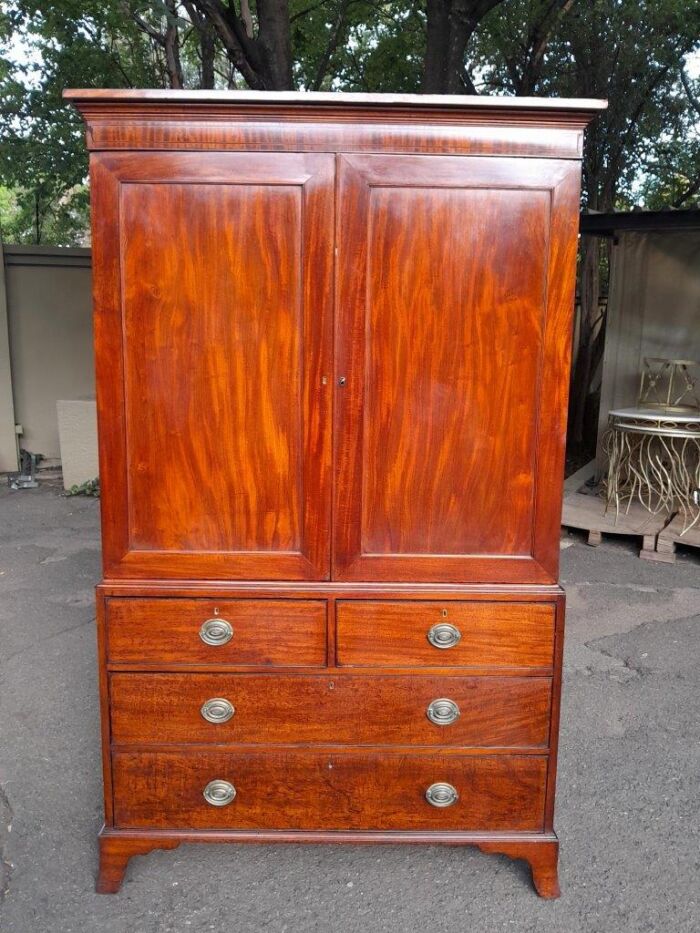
109,363
556,368
105,709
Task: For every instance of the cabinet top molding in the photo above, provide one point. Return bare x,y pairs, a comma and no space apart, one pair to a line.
573,111
315,122
324,98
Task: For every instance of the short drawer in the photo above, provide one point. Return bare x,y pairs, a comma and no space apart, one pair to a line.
336,790
246,632
348,709
445,634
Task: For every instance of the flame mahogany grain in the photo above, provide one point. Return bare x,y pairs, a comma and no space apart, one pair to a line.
266,632
332,341
285,789
450,428
212,339
493,634
353,709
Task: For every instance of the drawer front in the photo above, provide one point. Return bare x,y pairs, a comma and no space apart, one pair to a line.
311,790
349,709
254,632
445,634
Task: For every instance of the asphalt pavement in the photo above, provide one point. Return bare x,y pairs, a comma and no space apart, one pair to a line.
629,775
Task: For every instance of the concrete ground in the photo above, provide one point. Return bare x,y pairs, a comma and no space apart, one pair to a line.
628,787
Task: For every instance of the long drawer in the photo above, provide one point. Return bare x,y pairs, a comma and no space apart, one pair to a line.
155,709
316,790
445,634
246,632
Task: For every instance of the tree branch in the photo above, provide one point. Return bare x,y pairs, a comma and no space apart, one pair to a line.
337,33
450,25
692,189
693,100
207,44
144,25
247,18
308,9
172,47
236,42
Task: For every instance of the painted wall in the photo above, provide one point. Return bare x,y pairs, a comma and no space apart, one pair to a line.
8,438
49,332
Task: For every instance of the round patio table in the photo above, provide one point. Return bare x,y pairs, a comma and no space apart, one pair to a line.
654,456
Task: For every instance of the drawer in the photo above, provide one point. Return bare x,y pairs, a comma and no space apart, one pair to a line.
445,634
253,632
339,790
348,709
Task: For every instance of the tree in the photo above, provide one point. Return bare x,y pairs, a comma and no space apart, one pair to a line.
65,43
263,56
450,26
671,170
207,46
516,42
628,50
42,157
166,35
630,53
374,47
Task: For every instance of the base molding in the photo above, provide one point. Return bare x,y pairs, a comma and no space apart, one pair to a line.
540,850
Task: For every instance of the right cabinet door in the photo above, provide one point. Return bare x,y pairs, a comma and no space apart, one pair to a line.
455,296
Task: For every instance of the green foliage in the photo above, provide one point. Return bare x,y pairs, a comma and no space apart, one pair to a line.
672,175
671,167
628,51
90,487
374,47
644,150
42,158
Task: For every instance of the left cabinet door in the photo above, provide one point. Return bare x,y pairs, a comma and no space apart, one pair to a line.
213,292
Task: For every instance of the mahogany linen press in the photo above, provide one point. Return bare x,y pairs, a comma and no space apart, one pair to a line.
332,336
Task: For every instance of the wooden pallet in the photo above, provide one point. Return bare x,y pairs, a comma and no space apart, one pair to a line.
588,513
672,535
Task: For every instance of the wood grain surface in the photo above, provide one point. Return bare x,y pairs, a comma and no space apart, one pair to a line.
265,631
213,331
450,367
443,332
332,343
139,119
159,709
313,790
540,850
375,633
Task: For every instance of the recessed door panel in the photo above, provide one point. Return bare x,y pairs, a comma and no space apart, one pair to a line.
450,333
451,369
224,267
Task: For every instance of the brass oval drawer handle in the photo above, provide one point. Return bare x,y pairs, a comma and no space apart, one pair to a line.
443,712
216,632
217,710
444,635
219,793
441,795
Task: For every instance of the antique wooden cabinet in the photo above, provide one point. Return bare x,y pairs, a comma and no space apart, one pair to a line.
332,338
